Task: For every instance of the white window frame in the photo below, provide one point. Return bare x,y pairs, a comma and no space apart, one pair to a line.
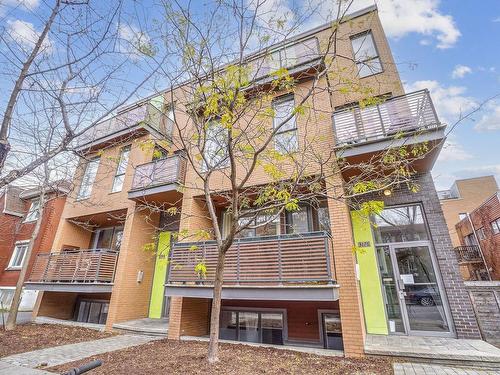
14,256
121,169
215,151
87,179
495,226
481,234
365,62
33,212
285,129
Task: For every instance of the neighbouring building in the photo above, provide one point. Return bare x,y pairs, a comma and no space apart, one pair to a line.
479,233
463,197
19,210
297,281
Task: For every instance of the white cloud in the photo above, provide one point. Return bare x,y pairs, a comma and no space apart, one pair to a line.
477,171
269,12
490,120
25,35
402,17
460,71
131,38
26,4
496,19
451,102
453,151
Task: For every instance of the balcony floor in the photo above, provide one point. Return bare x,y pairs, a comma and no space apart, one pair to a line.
266,292
70,287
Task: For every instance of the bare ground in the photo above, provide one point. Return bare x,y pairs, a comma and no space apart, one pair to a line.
189,357
28,337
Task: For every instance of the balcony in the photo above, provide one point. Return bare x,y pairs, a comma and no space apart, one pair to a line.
292,266
360,133
468,254
297,57
90,270
158,180
136,118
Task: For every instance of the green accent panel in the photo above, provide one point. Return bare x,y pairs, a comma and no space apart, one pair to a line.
158,101
371,290
157,291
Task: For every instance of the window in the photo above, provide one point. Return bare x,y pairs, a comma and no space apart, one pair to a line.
299,221
33,212
462,215
88,178
495,225
215,153
480,234
285,140
121,169
20,249
366,55
252,326
108,238
470,240
262,225
400,224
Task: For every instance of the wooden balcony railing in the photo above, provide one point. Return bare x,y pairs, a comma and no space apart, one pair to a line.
403,114
79,266
159,172
271,260
468,254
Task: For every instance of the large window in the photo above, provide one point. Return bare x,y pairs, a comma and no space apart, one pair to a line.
88,178
299,221
92,311
495,225
20,249
261,225
121,169
107,238
215,152
252,326
285,140
400,224
366,55
34,211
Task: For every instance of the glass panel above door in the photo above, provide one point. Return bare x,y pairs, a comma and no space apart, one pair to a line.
400,224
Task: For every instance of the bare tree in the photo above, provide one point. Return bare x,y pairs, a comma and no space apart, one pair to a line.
75,68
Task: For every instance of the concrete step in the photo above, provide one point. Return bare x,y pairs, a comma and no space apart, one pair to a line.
435,350
145,326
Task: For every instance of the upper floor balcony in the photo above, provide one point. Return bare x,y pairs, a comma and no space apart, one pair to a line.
468,254
362,132
91,270
144,115
285,267
158,180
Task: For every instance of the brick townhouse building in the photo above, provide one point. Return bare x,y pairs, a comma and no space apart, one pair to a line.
18,215
296,282
479,233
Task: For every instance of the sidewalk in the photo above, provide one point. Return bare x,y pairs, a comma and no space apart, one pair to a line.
69,353
431,369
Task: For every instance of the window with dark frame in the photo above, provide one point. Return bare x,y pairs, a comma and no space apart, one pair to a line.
366,55
121,169
285,139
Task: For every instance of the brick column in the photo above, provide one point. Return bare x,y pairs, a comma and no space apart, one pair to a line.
351,315
174,318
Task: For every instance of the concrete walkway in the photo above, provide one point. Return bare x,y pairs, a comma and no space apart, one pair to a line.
431,369
10,369
144,326
73,352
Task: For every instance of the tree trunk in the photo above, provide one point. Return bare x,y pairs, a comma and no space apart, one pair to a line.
16,300
213,346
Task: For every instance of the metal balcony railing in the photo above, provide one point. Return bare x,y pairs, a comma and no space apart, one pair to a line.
159,172
291,56
270,260
79,266
399,115
468,254
145,113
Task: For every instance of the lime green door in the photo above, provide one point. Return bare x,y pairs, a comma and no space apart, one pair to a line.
158,306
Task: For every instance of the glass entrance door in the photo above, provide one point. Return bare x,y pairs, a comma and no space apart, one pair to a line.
418,289
411,290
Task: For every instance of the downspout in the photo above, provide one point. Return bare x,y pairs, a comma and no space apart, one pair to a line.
479,246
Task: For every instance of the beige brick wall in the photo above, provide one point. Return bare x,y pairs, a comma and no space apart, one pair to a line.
188,317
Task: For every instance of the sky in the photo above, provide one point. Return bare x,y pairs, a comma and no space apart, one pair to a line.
451,47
